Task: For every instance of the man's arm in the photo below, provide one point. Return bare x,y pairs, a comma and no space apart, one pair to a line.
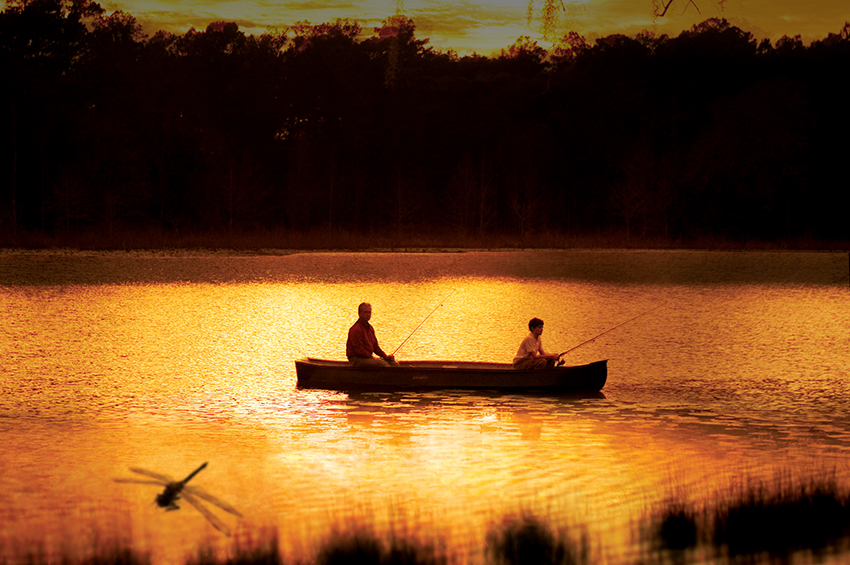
380,352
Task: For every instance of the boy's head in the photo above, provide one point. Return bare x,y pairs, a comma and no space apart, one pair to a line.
534,322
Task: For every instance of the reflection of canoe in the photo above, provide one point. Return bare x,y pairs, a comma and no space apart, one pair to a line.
340,375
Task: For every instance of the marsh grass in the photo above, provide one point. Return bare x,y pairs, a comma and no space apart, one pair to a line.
263,552
677,529
108,555
527,539
756,522
363,547
753,522
118,556
784,518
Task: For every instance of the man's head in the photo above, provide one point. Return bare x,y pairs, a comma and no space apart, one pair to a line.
364,311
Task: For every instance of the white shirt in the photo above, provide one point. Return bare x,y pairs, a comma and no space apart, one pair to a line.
529,347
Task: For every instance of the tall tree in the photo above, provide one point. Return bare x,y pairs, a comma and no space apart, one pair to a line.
41,41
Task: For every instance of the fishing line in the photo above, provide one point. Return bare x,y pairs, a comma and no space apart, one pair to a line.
611,330
422,322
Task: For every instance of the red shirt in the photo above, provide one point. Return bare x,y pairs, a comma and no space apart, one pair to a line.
362,341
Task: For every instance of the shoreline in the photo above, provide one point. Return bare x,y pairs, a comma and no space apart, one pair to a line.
221,252
281,243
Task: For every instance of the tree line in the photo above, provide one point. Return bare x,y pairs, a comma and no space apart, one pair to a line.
333,127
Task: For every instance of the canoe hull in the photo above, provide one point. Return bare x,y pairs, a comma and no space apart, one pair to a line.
411,375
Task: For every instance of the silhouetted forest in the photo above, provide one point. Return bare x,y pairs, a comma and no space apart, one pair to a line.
330,126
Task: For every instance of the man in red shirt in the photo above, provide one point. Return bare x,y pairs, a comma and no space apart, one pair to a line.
362,343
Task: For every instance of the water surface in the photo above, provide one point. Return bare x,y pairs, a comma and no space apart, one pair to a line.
115,360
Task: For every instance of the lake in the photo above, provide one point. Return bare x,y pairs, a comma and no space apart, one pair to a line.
116,360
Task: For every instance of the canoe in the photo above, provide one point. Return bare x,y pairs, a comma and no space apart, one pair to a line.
341,375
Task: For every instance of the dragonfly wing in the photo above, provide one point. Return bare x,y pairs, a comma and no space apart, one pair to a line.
201,493
212,518
138,482
164,478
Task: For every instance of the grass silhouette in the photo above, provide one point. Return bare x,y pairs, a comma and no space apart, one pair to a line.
529,540
753,523
813,515
363,547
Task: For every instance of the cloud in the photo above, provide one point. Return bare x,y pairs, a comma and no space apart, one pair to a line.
485,26
469,26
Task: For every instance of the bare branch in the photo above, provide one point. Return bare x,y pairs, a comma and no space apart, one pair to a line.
661,15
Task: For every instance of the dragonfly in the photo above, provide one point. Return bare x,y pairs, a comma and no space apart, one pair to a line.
175,490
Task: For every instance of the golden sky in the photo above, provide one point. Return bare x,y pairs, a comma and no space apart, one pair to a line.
485,26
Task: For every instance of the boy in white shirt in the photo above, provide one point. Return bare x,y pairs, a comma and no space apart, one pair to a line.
531,354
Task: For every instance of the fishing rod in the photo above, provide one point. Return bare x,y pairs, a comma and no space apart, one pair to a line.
608,331
422,322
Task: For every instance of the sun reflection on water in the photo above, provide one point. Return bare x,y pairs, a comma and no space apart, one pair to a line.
723,381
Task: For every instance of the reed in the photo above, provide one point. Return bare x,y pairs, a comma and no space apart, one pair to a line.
264,552
784,518
118,556
677,528
527,539
756,522
362,547
110,555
